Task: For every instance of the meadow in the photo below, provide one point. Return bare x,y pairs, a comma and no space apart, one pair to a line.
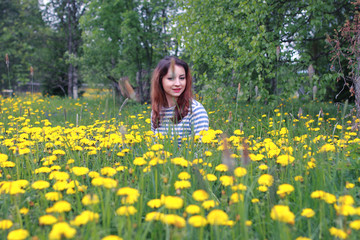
86,169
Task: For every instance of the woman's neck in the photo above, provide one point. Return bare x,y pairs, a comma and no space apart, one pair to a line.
171,101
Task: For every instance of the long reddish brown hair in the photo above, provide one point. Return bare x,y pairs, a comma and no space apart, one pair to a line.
158,97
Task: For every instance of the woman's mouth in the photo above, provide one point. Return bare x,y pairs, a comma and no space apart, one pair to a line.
177,90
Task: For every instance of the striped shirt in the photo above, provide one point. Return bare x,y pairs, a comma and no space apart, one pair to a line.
194,122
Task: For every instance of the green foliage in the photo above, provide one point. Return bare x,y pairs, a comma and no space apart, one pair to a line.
122,38
262,44
344,45
266,46
22,35
63,17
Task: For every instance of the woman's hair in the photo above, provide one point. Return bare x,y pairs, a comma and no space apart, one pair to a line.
158,97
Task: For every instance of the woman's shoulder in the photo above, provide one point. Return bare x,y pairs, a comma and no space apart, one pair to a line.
196,104
197,108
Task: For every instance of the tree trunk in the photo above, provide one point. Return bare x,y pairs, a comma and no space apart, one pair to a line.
72,49
140,85
75,84
70,46
357,87
115,85
70,78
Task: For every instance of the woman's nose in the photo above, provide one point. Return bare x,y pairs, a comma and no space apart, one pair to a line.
177,81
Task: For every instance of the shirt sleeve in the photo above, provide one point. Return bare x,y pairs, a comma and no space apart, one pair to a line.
199,119
152,125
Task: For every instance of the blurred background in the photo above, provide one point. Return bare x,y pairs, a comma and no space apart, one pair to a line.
245,49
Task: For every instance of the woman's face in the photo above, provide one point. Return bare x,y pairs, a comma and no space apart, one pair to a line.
174,84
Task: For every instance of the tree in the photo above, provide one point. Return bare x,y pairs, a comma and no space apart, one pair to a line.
125,38
22,31
231,42
64,16
346,55
315,20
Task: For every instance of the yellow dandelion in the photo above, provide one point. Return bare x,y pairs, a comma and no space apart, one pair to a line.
108,171
239,187
298,178
236,197
208,153
58,152
180,162
211,177
153,216
111,237
217,217
131,194
197,221
248,223
23,151
7,164
283,214
47,220
139,161
53,196
60,230
345,210
18,234
59,176
200,195
85,217
221,168
184,176
157,147
346,200
79,171
183,184
263,167
90,199
173,202
173,219
207,204
285,189
192,209
318,194
24,211
154,203
266,180
5,224
339,233
284,160
327,148
355,224
93,174
61,206
3,157
307,212
240,172
126,210
227,180
256,157
349,185
262,188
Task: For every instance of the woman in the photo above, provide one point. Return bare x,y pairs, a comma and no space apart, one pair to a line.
174,111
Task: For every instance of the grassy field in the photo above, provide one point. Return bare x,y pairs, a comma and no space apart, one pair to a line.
86,170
